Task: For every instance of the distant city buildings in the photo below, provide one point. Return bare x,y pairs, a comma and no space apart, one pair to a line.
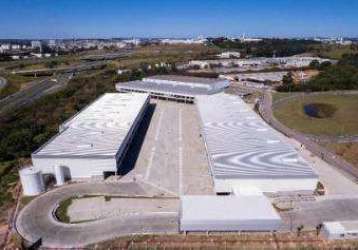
229,54
199,40
36,44
18,49
334,40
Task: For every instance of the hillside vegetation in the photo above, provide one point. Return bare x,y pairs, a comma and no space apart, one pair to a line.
342,76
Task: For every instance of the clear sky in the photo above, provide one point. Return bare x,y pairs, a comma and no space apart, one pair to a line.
176,18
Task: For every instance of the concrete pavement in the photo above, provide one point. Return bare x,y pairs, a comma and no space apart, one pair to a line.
172,156
312,213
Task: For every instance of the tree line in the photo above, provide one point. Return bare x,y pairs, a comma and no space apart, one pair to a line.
266,47
341,76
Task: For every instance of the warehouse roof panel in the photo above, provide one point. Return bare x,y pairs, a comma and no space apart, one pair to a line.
241,145
98,130
228,213
185,79
162,88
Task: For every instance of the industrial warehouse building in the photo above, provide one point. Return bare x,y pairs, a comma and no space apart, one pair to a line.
175,87
228,213
245,153
340,230
94,141
246,156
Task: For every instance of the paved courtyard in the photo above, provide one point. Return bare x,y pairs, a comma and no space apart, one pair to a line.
101,207
312,213
171,155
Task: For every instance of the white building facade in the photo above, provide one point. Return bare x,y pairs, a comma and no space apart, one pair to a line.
94,142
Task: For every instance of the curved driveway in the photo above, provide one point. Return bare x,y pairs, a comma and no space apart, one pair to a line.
36,220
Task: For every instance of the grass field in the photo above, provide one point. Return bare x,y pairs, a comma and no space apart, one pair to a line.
281,95
164,53
343,122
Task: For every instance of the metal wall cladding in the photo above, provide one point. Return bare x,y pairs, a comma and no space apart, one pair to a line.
32,181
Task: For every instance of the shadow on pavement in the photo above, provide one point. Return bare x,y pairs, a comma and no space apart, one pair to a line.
131,156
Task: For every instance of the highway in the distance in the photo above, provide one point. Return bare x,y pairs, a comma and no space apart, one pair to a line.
33,91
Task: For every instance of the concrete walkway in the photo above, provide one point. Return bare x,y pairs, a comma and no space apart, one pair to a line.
36,221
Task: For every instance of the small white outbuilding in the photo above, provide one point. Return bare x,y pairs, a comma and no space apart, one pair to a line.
340,230
93,143
228,213
32,181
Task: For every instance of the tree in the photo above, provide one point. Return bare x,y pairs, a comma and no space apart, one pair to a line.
314,64
51,64
299,230
287,79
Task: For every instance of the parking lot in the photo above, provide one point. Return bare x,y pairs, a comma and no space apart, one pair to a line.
167,154
168,151
96,208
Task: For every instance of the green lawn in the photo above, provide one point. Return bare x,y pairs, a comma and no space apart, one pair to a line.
61,212
276,96
343,122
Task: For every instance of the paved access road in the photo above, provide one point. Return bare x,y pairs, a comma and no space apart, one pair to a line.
33,91
312,213
36,221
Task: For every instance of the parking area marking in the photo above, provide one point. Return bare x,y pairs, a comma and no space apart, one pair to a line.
150,163
159,126
180,170
160,187
180,126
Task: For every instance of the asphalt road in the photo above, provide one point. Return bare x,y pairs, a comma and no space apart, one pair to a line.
34,91
83,66
36,221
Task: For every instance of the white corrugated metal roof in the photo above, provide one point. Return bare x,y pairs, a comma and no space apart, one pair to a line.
162,88
176,85
334,227
342,226
185,79
226,213
98,130
241,145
